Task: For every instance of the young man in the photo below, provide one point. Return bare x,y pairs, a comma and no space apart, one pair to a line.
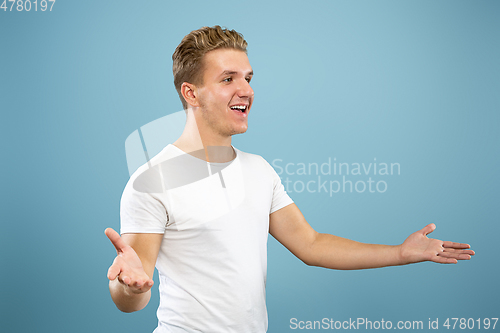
201,210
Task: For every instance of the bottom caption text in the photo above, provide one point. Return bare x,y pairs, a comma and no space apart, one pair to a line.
366,324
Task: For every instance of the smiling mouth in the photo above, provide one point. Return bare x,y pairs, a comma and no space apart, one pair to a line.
239,108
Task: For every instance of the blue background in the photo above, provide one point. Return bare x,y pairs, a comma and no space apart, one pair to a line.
412,82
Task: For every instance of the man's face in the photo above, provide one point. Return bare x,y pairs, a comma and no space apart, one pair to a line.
226,96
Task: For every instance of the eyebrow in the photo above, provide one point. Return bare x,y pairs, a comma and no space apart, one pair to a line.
234,72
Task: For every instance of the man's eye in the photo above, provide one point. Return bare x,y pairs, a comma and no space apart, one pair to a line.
248,79
227,79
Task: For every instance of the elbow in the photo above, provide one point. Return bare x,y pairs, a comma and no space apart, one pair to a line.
308,263
135,306
129,308
128,302
126,310
311,263
309,260
309,255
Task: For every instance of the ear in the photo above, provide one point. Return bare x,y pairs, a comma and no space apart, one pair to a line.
190,94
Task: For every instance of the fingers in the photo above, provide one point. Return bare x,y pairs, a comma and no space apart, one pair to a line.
428,229
455,255
113,271
443,260
137,285
118,266
456,245
115,238
458,254
138,282
458,251
141,286
451,256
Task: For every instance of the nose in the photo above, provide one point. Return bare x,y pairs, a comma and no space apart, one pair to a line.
244,89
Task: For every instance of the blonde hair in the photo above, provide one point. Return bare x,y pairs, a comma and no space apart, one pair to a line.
188,56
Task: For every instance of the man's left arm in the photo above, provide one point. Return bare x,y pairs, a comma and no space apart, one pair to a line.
291,229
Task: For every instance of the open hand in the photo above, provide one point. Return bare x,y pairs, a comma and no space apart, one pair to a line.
418,247
127,266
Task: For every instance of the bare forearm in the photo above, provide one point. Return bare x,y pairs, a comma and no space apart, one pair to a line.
126,300
335,252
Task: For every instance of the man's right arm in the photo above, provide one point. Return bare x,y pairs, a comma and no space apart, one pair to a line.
131,274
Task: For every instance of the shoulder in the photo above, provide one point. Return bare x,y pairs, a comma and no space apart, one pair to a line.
256,163
167,153
249,157
146,181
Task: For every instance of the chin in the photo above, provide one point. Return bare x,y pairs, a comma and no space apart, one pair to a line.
243,130
239,131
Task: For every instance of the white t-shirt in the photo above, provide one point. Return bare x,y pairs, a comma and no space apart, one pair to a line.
212,262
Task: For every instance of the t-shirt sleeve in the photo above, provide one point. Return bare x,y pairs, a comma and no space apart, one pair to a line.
141,212
280,197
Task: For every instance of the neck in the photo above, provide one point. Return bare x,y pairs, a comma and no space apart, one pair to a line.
203,143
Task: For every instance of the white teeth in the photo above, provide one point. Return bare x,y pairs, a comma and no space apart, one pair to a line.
240,107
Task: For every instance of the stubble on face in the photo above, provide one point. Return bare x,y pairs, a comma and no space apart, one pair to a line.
220,90
216,122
